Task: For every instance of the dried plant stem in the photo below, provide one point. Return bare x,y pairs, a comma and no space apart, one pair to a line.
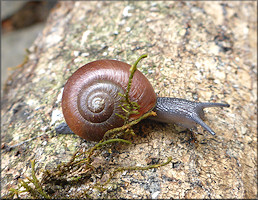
37,191
80,165
132,106
129,125
121,169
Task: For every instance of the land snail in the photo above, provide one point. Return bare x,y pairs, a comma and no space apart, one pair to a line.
90,100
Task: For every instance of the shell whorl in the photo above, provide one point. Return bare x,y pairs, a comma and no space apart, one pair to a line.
99,102
90,97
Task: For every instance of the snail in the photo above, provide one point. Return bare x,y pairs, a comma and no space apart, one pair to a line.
91,100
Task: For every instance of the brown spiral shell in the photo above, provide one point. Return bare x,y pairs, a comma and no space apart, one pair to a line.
90,97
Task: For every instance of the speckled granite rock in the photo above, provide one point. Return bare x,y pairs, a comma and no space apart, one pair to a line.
204,51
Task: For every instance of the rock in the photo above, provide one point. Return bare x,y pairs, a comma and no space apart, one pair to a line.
180,39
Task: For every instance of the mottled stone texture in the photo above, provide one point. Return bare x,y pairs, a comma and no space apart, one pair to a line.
203,51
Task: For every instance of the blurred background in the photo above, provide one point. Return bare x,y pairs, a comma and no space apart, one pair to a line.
22,21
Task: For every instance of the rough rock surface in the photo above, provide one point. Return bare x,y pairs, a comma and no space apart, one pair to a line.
203,51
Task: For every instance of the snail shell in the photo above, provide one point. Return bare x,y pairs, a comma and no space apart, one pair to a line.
90,97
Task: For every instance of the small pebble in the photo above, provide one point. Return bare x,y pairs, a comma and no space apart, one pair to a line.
155,195
127,29
56,115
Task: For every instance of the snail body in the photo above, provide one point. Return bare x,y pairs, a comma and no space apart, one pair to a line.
91,100
183,112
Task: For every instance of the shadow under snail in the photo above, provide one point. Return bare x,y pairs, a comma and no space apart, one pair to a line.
90,100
